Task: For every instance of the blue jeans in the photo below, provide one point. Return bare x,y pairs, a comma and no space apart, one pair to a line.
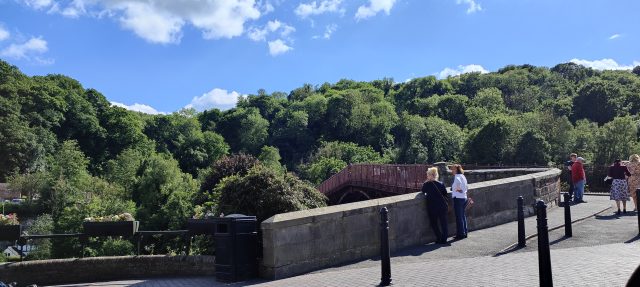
579,190
459,205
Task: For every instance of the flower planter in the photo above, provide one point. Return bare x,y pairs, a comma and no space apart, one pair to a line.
10,232
201,226
115,228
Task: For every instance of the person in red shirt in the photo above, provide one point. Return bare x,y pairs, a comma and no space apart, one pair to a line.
579,179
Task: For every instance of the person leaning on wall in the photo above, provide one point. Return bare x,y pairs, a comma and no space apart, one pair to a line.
459,195
437,205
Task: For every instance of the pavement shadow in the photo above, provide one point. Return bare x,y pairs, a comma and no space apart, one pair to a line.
420,250
513,248
563,238
633,239
608,217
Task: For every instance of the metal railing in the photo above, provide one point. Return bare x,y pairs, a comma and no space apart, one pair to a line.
139,239
395,178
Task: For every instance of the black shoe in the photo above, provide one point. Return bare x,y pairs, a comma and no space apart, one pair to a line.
618,213
460,237
624,211
582,201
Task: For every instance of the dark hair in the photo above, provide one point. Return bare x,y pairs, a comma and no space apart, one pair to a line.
617,160
458,168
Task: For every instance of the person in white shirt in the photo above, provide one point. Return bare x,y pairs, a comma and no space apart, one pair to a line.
459,195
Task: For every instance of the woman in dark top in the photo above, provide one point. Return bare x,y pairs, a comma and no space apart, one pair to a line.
437,205
619,186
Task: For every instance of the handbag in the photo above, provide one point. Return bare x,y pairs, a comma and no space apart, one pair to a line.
469,204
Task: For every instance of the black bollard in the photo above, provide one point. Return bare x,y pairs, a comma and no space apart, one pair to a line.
385,254
521,238
568,232
637,210
544,255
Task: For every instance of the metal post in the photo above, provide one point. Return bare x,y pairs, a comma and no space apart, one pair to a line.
544,255
385,254
139,242
637,210
83,242
21,243
521,237
189,239
568,232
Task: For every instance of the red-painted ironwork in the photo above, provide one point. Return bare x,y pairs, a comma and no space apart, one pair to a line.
394,178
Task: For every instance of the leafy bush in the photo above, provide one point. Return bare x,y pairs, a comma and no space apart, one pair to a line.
239,164
116,247
263,192
41,225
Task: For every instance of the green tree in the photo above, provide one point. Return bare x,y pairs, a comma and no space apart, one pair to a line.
616,140
163,193
491,144
532,149
244,129
489,99
452,108
598,101
428,140
270,158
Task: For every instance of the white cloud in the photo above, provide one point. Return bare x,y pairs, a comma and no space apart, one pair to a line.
163,21
4,34
216,98
260,34
39,4
328,31
373,8
604,64
278,47
148,23
27,50
614,36
473,6
449,72
305,10
138,108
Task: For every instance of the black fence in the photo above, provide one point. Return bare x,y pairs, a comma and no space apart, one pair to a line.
145,242
595,178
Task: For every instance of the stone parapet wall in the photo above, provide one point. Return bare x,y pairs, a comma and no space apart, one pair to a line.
298,242
95,269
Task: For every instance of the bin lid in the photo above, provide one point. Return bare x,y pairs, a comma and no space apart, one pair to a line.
240,217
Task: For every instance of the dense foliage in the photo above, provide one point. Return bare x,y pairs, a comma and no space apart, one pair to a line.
73,155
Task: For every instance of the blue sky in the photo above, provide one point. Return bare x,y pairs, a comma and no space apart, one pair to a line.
165,55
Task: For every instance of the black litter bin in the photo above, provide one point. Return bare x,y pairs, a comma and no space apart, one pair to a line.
236,243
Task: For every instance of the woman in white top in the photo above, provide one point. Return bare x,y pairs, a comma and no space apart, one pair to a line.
459,195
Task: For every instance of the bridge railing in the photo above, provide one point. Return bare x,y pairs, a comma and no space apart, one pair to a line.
396,178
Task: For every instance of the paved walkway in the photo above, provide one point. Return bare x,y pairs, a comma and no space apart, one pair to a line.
604,251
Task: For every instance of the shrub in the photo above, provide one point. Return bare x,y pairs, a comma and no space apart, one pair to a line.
264,193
